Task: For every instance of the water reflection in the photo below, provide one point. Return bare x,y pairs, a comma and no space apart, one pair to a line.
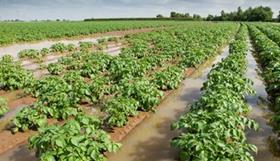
264,138
150,141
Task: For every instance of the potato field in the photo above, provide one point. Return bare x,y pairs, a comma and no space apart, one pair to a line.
139,90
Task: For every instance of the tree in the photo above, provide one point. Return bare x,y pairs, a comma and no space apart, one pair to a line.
260,14
251,14
196,17
239,14
159,16
223,16
173,14
278,17
210,18
187,15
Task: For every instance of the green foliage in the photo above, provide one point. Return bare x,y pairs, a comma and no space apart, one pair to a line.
124,84
119,109
59,96
34,54
28,53
78,139
44,51
141,90
3,106
12,75
259,13
98,87
269,55
214,128
30,117
58,47
30,31
85,46
169,78
55,68
128,67
101,40
70,47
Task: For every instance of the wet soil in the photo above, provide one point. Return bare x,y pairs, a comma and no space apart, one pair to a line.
264,137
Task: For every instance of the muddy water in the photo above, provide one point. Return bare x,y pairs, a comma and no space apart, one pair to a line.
150,141
14,49
260,113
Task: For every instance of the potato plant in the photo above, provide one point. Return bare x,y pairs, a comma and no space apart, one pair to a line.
268,53
123,85
58,47
169,78
29,53
3,106
143,91
55,68
119,109
30,31
214,128
13,76
78,139
30,117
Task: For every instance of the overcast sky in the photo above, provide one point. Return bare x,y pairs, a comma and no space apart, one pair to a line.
80,9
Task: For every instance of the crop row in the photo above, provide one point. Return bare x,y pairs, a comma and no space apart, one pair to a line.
214,127
12,77
123,85
271,33
59,48
3,106
268,53
119,71
30,31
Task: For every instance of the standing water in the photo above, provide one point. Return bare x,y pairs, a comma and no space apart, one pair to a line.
16,48
150,141
259,112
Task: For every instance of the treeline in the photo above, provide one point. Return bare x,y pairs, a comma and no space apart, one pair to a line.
251,14
132,19
176,15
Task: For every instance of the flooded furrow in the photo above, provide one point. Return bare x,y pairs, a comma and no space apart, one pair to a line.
150,141
15,48
259,112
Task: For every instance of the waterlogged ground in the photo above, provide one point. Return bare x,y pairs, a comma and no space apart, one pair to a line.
150,141
15,48
264,137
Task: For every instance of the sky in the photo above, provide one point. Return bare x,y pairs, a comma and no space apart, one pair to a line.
80,9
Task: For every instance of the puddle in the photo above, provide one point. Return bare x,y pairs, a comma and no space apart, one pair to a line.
261,113
114,51
150,141
16,48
